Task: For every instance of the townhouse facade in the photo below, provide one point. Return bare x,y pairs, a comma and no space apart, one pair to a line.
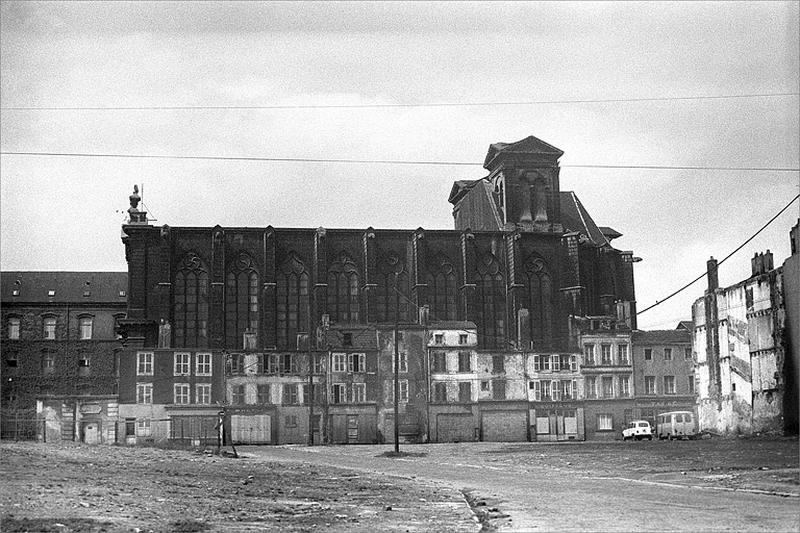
608,378
61,354
664,377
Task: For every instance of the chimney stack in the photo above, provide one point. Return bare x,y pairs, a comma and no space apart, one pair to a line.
761,263
711,272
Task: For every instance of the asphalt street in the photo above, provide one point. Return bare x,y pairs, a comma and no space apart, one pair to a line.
531,490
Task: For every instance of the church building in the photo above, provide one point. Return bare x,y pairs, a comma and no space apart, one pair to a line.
205,304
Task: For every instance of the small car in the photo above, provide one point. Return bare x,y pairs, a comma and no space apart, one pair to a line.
638,429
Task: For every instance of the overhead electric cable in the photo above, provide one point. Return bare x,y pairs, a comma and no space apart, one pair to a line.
368,106
382,161
698,278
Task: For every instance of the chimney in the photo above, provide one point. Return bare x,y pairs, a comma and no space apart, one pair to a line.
761,263
794,237
711,271
755,264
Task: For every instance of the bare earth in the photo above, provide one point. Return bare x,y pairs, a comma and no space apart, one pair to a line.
71,487
739,485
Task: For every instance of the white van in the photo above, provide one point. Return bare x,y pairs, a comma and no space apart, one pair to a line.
676,425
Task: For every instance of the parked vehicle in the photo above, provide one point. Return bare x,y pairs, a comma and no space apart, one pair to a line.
638,429
676,425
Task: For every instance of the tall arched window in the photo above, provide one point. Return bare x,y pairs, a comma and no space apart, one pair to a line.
292,301
539,302
490,292
392,304
343,290
442,291
241,299
190,303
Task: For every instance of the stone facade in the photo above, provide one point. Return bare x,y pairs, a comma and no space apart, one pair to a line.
61,353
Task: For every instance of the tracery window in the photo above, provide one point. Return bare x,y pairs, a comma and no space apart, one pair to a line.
241,300
190,303
392,278
490,291
539,296
442,289
343,290
292,301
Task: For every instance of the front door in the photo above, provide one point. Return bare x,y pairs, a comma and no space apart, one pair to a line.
91,432
352,428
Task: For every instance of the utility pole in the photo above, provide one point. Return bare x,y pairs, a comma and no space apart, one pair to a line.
396,370
310,398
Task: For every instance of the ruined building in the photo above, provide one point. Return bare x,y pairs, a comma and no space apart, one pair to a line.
746,360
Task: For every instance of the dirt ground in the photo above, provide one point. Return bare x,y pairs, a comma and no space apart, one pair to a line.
433,487
70,487
768,465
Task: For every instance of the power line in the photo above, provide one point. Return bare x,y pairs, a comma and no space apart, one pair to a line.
380,161
398,105
659,302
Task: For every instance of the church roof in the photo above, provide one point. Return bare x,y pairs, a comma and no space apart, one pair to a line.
460,188
610,233
575,217
528,145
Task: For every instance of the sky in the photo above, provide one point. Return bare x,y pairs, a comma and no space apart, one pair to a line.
65,213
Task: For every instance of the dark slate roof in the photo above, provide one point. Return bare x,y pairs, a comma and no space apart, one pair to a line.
451,324
103,287
528,145
574,217
662,336
610,233
688,325
461,188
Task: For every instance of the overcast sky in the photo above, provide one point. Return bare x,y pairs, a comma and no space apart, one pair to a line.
60,213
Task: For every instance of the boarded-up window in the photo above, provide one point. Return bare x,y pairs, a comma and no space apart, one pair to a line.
498,364
464,362
440,392
542,425
439,362
465,392
499,389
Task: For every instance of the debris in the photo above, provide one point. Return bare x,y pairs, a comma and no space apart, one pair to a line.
83,504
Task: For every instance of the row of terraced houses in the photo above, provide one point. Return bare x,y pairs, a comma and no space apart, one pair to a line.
519,324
